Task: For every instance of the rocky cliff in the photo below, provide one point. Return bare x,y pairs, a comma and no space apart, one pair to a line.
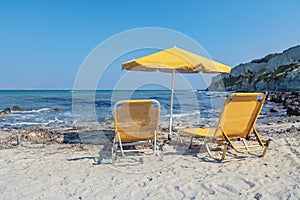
274,72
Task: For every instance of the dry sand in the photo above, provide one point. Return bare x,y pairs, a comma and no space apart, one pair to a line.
53,170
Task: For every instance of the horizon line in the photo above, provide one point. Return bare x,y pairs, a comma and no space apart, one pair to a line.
64,89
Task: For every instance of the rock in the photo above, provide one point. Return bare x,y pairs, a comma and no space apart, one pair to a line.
283,121
296,94
287,102
204,126
275,110
17,108
258,196
5,112
32,135
165,129
292,129
35,135
57,109
293,110
290,101
277,98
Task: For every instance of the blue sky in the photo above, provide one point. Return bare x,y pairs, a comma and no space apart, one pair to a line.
43,43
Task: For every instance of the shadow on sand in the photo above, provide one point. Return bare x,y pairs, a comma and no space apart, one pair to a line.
101,138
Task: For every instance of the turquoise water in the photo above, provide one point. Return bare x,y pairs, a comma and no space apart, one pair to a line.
55,108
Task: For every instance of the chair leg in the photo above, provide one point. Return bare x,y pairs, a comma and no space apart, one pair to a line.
266,148
191,142
113,155
121,146
208,150
179,138
155,147
114,152
161,150
224,152
245,144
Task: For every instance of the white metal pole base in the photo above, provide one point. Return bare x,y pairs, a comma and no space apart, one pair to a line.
171,106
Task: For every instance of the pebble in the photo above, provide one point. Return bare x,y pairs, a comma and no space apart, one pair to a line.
258,196
275,109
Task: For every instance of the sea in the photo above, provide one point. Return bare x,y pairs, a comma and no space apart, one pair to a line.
68,108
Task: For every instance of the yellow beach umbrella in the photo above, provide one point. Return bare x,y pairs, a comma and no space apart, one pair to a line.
175,60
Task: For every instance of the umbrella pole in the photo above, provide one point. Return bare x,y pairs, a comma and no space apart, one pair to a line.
171,106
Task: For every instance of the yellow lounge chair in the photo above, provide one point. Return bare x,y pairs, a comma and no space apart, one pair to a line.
236,123
136,123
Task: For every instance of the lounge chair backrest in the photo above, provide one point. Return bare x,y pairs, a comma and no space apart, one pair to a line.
136,120
239,114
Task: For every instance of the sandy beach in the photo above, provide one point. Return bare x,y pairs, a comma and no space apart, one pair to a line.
75,72
76,164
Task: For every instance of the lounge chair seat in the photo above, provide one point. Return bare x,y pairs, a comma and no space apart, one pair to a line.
136,122
236,123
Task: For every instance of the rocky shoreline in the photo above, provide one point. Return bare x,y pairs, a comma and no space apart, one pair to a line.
74,136
10,138
289,100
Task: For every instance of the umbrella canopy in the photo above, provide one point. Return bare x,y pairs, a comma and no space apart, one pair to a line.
175,60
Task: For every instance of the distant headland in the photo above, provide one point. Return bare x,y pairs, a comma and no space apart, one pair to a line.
274,72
